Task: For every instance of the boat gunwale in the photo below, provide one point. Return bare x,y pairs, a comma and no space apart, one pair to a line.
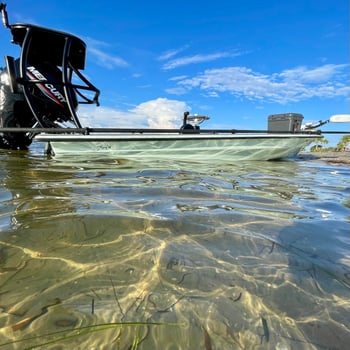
122,137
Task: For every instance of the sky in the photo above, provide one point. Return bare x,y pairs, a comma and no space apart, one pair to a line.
235,61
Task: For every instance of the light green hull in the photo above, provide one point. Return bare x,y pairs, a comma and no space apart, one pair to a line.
187,147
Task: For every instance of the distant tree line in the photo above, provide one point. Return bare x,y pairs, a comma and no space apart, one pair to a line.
342,145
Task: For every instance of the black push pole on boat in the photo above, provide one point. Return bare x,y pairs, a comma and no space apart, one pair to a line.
89,130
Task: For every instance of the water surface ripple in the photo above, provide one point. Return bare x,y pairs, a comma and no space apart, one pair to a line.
248,255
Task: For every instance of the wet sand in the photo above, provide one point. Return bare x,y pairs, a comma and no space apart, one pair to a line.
329,157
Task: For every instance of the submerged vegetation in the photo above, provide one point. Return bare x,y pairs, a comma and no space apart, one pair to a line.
65,335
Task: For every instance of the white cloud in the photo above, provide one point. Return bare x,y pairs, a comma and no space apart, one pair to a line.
179,77
97,50
196,59
158,113
178,90
289,85
105,60
171,53
319,74
162,113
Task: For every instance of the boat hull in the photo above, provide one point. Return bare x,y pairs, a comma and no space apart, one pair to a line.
187,147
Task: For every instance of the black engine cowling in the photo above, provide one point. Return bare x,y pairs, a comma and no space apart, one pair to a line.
14,112
47,96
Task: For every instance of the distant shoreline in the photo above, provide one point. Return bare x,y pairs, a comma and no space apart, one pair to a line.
341,157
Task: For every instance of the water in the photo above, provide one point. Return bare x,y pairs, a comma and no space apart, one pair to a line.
107,254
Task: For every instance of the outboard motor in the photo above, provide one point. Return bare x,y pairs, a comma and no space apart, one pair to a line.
36,90
14,113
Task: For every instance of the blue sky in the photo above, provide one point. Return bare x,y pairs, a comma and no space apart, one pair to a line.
236,61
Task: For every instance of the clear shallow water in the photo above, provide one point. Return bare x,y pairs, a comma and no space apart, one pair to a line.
248,255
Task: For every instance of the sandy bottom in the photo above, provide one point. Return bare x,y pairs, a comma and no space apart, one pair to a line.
330,157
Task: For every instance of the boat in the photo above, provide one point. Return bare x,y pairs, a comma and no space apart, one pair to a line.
180,147
41,90
188,143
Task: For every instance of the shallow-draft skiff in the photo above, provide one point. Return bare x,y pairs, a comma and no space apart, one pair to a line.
188,143
40,92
